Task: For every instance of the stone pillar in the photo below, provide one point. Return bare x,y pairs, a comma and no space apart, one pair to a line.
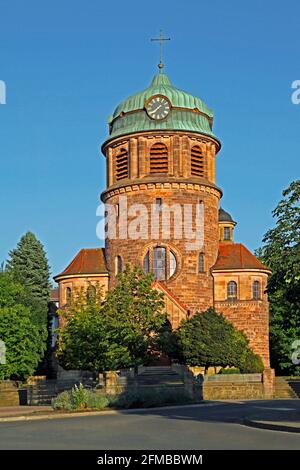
110,170
134,163
269,383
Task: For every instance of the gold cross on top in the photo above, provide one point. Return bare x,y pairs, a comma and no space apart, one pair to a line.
161,40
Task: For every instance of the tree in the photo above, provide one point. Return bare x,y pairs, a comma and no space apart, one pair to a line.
209,339
134,310
29,266
23,341
114,333
281,252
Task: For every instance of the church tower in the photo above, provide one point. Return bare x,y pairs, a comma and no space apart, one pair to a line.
161,155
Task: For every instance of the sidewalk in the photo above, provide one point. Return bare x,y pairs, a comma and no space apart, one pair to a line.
11,411
285,426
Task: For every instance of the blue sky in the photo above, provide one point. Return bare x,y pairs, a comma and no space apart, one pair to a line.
67,64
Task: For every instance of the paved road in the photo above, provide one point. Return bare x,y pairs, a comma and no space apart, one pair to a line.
207,426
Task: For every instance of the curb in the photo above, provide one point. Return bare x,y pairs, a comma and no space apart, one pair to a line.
53,415
270,426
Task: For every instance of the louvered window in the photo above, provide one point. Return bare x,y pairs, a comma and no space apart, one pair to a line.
197,162
158,158
122,164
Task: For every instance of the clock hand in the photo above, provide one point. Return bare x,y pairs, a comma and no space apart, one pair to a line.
156,109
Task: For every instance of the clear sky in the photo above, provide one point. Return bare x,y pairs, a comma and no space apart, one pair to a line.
68,63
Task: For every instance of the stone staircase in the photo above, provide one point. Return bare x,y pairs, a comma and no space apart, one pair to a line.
284,389
159,376
295,386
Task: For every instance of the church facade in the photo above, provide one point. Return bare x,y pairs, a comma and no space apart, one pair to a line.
164,214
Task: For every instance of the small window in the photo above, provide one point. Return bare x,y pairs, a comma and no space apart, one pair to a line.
256,290
68,295
197,162
158,158
122,164
227,235
90,293
232,290
119,265
158,202
201,263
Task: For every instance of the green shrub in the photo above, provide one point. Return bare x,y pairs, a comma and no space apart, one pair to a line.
229,371
79,396
97,400
252,364
63,401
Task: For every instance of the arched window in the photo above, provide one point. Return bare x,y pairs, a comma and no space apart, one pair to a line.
68,295
90,293
232,290
122,164
201,268
227,234
197,161
119,264
256,291
161,261
158,158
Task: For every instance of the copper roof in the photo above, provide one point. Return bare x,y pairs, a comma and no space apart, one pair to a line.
87,261
236,256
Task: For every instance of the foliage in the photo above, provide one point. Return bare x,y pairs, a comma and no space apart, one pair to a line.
281,252
252,364
23,339
81,335
114,333
209,339
80,398
28,265
232,370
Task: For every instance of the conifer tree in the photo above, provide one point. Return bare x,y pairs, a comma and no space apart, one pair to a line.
29,266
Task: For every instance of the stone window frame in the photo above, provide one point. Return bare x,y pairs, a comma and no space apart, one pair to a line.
232,297
202,264
162,143
116,152
259,292
203,155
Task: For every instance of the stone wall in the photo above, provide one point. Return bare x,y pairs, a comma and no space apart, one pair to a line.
9,393
239,386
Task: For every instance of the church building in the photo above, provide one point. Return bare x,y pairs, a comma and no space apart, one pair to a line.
161,152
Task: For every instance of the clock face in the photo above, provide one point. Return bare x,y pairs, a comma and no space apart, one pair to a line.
158,107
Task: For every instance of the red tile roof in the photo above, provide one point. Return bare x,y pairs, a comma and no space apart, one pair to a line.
236,256
163,287
87,261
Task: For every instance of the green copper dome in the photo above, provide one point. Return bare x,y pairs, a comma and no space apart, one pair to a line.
188,113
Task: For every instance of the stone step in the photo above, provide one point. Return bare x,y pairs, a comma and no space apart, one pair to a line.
283,389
